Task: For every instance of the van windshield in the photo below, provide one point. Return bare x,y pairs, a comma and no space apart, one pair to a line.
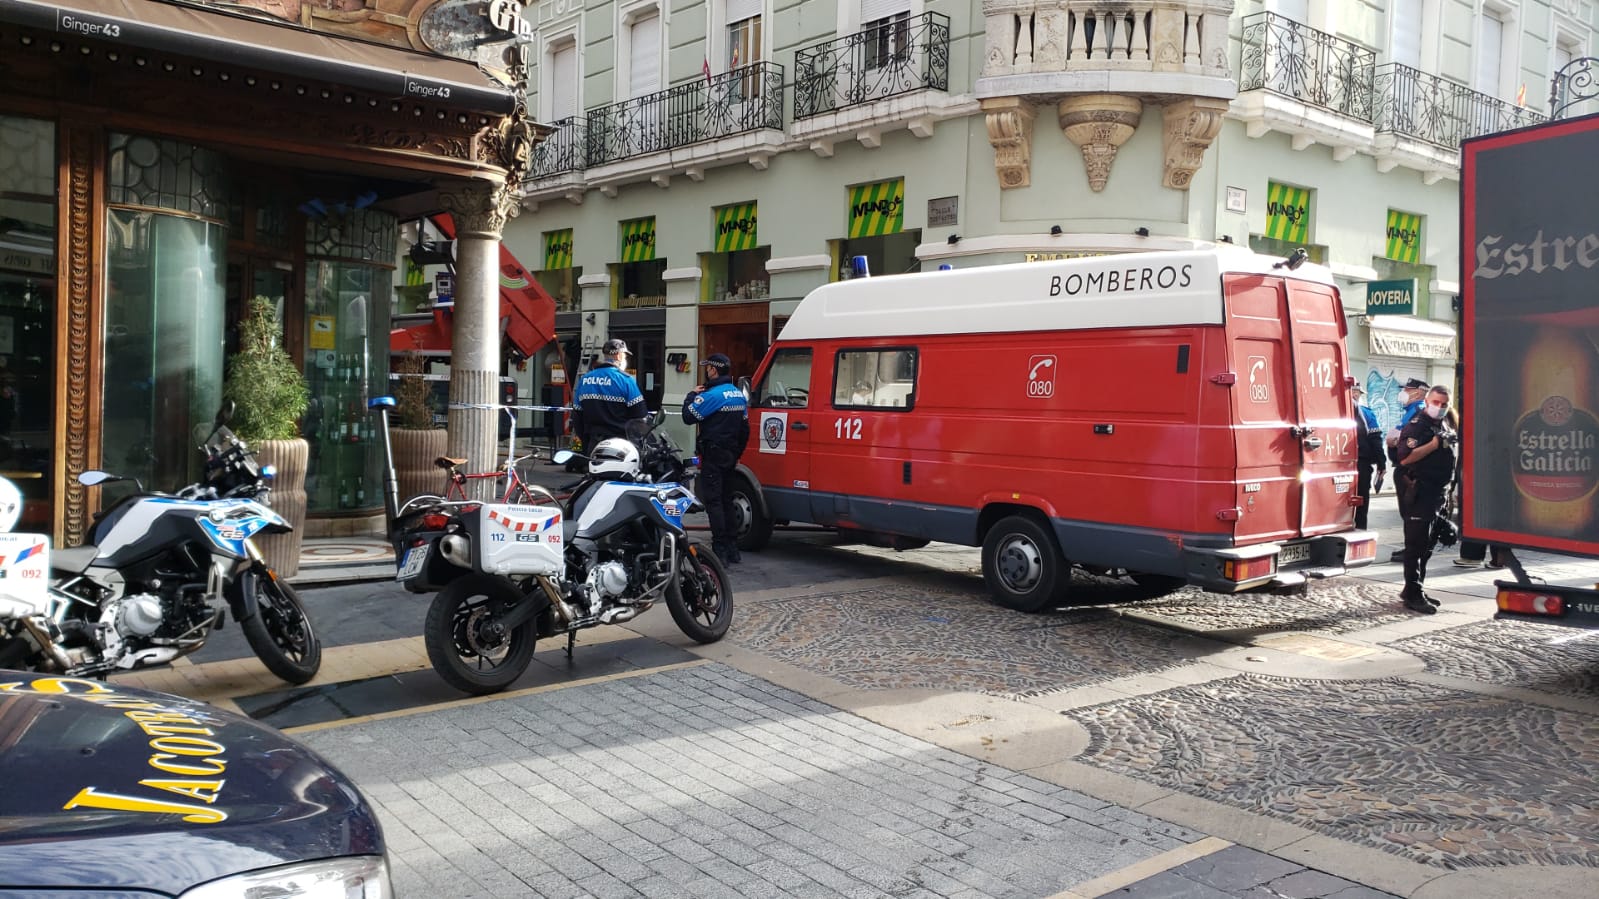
788,380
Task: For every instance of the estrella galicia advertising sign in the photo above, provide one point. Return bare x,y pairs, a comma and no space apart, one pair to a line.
1396,297
1530,327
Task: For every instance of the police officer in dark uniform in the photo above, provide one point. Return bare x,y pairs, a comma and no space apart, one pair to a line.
606,398
722,413
1426,453
1372,463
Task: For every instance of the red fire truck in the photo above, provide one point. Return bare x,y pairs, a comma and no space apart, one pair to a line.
1178,417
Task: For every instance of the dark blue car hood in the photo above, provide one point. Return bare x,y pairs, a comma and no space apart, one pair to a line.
110,786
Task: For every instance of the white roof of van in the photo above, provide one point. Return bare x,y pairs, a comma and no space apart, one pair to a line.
1117,291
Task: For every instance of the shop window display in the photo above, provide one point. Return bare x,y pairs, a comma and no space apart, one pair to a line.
27,314
347,301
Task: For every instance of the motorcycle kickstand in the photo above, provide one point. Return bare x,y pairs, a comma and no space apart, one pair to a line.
571,638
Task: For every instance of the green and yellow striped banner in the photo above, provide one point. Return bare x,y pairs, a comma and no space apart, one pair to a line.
1287,213
735,228
638,240
413,273
1404,236
558,249
877,209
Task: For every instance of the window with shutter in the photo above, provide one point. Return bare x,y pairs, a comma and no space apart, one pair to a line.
878,10
1490,50
1298,10
1406,32
644,61
563,87
739,10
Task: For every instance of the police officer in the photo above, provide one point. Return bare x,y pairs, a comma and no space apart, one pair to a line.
1410,399
1369,443
1426,453
607,398
722,413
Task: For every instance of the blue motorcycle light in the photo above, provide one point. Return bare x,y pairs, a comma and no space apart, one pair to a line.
268,472
693,460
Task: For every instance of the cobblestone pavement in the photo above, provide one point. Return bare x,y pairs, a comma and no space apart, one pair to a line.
1542,657
708,782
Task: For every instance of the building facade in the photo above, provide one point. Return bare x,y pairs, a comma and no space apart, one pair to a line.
163,163
712,161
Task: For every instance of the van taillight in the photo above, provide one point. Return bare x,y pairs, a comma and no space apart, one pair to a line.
1360,551
1530,602
1248,569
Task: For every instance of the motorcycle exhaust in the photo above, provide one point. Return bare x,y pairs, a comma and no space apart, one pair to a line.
564,615
47,645
619,614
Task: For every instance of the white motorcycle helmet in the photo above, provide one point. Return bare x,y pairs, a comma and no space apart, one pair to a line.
614,459
10,505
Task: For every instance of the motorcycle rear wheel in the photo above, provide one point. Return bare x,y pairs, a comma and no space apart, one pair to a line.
280,631
700,598
461,644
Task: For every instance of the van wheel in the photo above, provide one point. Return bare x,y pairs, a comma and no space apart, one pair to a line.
1022,566
1157,584
754,528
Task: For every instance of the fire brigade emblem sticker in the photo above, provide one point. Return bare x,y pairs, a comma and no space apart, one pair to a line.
774,433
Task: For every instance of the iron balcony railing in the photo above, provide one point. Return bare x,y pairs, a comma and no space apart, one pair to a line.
1312,66
1440,111
748,98
562,151
885,60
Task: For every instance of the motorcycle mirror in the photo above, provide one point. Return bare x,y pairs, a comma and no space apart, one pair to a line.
744,386
561,457
224,414
91,478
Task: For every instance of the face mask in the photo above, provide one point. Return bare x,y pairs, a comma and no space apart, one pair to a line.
1403,397
1435,412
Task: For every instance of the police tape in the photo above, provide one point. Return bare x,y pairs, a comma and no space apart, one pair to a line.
492,406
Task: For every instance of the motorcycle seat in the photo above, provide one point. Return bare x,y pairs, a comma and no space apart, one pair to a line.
446,463
75,560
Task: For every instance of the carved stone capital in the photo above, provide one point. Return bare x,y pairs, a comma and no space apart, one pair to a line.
1190,126
1010,131
1099,124
480,209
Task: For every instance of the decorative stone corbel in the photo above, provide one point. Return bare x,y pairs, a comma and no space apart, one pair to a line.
1010,132
1190,126
1099,124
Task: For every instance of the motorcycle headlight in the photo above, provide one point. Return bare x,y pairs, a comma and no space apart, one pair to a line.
356,877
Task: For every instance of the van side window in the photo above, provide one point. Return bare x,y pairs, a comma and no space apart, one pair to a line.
875,378
788,380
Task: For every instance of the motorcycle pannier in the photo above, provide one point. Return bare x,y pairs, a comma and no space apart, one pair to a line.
519,540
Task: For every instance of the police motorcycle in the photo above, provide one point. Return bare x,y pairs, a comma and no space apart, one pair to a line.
507,576
159,573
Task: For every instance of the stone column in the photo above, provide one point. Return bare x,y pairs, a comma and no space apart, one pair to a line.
479,211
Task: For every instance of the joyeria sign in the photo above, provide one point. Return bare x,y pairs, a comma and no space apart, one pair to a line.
506,15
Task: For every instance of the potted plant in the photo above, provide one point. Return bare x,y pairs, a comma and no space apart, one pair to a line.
416,440
269,395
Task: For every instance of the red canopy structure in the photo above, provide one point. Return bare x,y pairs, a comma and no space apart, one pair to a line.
527,313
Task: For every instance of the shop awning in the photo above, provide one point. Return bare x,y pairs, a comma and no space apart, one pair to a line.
257,44
1402,335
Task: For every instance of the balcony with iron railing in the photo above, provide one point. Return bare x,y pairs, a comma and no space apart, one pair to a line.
1414,104
897,57
1302,63
562,151
748,98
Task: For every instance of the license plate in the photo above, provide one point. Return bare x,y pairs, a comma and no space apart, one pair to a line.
1293,553
415,558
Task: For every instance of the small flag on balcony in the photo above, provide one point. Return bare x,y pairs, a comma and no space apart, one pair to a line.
1521,95
707,70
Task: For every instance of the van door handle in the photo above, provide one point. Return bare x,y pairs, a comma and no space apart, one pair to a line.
799,426
1313,443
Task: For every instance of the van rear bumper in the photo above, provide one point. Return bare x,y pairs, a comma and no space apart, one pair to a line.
1257,567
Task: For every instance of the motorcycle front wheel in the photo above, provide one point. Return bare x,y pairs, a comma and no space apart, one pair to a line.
700,598
465,642
279,631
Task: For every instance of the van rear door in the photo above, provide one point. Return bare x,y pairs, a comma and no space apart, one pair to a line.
1293,438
